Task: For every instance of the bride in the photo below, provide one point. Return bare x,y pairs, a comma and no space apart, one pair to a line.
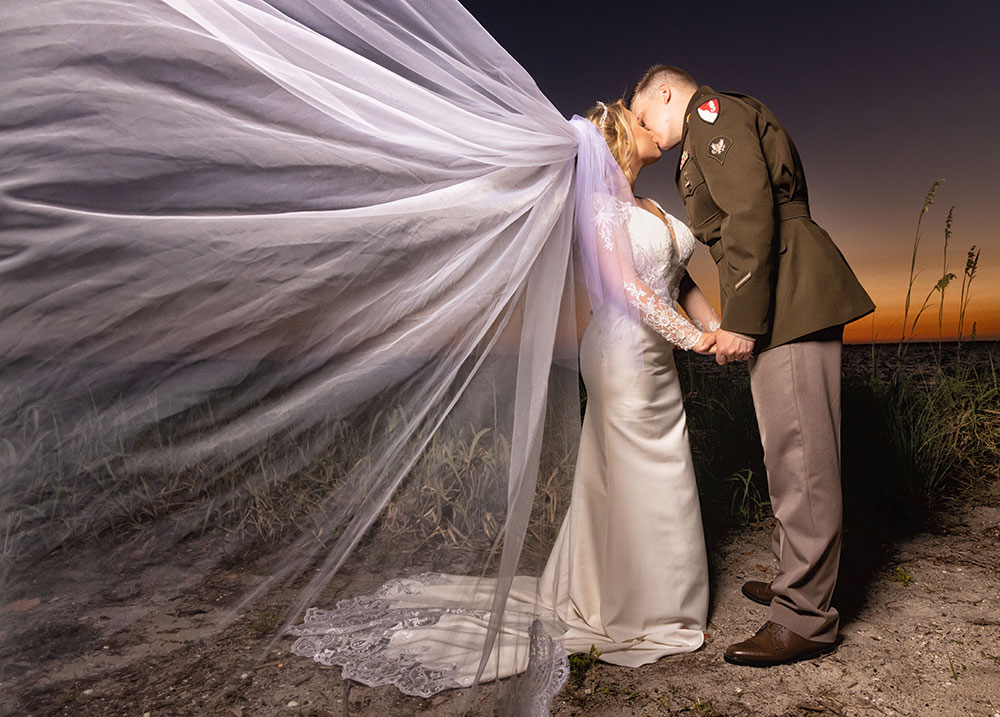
627,575
296,280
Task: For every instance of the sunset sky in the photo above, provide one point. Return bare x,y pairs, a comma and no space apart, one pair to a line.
881,98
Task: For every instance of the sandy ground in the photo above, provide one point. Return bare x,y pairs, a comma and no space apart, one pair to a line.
929,645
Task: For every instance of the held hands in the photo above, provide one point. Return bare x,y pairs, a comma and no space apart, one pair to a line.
706,344
731,347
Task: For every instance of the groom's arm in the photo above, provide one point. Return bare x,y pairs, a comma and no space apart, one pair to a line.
731,159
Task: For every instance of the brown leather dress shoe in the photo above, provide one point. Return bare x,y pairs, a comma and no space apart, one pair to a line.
758,592
775,644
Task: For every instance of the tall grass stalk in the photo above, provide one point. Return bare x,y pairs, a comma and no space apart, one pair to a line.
928,203
946,277
971,265
942,424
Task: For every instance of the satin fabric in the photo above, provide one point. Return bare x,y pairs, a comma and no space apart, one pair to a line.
629,571
628,574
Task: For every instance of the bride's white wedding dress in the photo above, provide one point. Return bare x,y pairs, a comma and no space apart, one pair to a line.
234,231
628,572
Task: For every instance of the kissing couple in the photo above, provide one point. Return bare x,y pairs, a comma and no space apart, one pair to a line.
237,230
628,574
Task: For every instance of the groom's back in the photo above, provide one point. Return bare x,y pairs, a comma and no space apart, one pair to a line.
788,179
744,189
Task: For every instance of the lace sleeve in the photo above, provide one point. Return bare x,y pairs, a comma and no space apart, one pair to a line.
661,317
713,324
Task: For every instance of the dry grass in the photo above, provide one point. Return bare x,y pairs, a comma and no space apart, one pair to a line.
935,424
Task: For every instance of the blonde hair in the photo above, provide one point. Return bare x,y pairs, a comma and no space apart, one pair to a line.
614,125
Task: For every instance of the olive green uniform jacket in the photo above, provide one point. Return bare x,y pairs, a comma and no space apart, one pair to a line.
781,277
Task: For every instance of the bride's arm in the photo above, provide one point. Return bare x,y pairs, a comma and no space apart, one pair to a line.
695,305
660,316
615,267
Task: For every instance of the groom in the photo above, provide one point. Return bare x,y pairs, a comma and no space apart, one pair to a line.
786,294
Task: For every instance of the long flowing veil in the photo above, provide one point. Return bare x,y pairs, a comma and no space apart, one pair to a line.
289,279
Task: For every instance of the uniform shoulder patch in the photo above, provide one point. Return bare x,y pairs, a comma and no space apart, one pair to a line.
709,110
719,147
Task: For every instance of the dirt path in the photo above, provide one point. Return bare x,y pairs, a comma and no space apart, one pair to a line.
927,646
920,640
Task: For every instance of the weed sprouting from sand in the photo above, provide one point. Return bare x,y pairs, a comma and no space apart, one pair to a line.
747,503
899,575
580,665
266,621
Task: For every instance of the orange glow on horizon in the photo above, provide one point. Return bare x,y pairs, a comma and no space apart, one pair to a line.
885,326
887,285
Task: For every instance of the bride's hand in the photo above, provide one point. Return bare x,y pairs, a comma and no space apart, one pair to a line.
706,344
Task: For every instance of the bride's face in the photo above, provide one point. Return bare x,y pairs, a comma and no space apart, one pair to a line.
646,150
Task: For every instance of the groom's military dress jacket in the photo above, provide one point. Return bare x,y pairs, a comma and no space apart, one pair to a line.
781,276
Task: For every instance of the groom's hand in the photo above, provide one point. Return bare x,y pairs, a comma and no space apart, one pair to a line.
731,347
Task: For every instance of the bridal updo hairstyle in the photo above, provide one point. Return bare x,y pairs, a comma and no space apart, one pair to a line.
617,132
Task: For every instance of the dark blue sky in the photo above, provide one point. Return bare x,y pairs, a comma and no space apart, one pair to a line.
881,98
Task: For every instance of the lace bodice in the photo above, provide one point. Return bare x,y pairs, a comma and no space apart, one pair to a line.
660,254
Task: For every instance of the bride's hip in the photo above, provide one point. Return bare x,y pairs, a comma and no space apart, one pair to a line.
624,356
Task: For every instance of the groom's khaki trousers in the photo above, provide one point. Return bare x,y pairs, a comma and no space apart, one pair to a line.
796,393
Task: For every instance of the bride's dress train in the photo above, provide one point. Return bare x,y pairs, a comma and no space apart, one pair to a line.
235,231
628,572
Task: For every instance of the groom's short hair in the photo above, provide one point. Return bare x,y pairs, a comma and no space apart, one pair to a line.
657,75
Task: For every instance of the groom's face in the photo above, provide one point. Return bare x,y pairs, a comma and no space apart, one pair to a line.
653,110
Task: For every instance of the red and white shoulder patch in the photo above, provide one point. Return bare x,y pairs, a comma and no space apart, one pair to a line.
709,110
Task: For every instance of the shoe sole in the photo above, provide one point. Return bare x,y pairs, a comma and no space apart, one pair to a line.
756,599
800,658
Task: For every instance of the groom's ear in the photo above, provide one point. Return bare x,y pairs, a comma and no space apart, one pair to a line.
663,92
